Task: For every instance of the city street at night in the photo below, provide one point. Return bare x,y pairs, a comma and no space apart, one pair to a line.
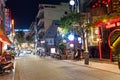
59,39
32,67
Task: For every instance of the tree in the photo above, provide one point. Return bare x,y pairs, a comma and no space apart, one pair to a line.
62,47
29,39
67,21
78,21
19,36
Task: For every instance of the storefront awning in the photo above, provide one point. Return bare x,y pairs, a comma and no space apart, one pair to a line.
4,38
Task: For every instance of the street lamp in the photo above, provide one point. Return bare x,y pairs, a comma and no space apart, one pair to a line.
71,38
75,3
72,3
35,37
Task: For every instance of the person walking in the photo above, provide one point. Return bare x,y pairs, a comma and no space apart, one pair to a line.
78,54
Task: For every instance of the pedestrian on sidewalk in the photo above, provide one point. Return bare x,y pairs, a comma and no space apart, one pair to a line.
78,54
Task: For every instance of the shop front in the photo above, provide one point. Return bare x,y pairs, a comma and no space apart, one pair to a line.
109,38
4,40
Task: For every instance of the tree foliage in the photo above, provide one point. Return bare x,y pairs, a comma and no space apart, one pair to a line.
73,20
77,21
19,36
62,47
67,21
29,38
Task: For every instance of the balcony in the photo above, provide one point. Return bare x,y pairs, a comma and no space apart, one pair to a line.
40,13
41,21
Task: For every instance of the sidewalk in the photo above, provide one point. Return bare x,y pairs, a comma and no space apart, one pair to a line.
98,65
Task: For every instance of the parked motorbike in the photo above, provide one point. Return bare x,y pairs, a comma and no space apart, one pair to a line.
42,54
6,65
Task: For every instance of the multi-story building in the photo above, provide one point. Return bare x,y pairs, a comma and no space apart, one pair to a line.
47,14
101,35
32,31
2,13
4,40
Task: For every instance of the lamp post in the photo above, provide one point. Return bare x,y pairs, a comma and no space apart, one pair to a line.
75,5
86,48
72,3
35,38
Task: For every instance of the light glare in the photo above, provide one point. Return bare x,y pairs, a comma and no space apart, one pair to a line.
71,37
72,2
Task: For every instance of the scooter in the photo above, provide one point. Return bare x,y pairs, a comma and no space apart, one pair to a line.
8,67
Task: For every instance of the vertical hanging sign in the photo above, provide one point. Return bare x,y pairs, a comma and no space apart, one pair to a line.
7,21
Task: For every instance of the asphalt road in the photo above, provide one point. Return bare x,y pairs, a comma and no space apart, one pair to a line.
35,68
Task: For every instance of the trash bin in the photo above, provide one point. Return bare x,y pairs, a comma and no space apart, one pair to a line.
86,58
119,61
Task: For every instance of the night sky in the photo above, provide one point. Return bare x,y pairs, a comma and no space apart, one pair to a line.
25,11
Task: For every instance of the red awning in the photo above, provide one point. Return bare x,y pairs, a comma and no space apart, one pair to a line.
4,38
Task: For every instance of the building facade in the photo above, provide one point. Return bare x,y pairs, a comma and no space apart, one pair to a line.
101,35
46,27
4,40
49,12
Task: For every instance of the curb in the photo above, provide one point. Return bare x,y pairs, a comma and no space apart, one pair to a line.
90,66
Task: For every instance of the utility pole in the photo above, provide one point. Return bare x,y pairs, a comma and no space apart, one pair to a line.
35,37
86,52
72,3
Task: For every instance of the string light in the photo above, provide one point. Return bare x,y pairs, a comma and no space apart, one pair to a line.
100,3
